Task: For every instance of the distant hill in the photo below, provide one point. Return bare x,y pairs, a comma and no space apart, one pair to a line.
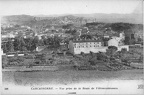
114,18
116,27
17,19
135,18
116,22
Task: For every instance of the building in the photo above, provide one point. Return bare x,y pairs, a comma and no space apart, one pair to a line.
116,41
95,46
113,42
86,46
40,48
129,37
2,53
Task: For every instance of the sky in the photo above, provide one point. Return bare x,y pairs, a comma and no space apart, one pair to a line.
58,7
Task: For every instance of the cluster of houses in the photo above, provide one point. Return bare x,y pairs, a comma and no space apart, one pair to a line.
79,45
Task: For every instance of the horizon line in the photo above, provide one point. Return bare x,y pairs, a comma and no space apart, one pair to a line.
66,14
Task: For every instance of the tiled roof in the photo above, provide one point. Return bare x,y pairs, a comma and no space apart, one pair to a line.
81,41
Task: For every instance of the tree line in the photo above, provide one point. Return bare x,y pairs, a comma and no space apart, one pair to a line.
29,44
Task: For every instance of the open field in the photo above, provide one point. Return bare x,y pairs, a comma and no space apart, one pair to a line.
66,77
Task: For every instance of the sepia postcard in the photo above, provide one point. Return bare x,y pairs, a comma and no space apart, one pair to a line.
71,47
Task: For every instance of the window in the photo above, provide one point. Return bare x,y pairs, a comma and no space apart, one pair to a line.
74,45
78,46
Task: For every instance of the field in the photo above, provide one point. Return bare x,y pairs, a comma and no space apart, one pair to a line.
66,77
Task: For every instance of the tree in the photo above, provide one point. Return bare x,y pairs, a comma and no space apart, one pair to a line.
41,42
10,46
24,48
19,43
68,26
141,58
102,56
4,47
22,44
35,40
123,50
16,43
54,41
17,26
93,59
91,53
4,61
112,50
28,42
82,53
33,47
127,40
71,31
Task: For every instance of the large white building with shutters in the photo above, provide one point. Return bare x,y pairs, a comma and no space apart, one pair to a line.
86,46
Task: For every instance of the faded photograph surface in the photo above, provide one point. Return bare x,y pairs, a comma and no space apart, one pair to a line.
72,47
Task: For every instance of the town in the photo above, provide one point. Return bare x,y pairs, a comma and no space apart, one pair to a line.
85,44
71,47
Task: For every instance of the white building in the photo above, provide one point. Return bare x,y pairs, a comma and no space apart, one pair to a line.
40,48
95,46
86,46
2,53
116,41
11,35
113,42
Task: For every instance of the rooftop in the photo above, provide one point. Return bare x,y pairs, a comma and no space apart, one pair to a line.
81,41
